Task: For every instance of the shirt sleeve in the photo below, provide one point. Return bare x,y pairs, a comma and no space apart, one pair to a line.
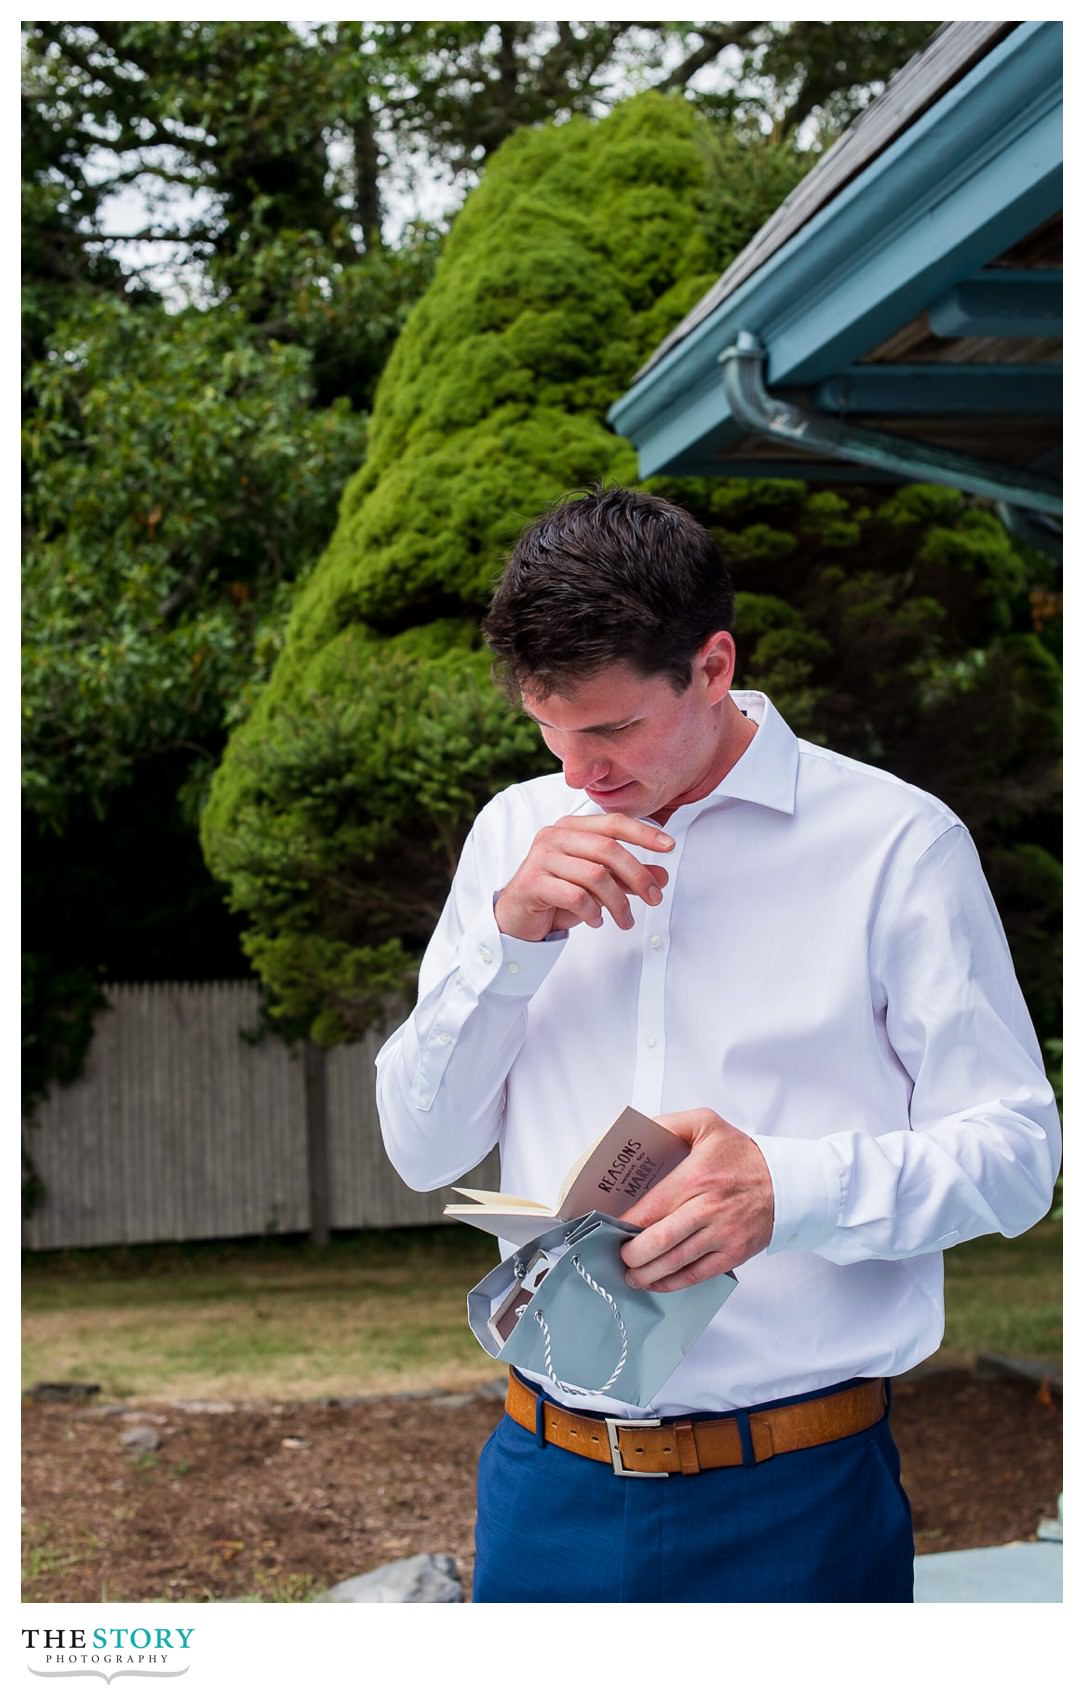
441,1076
983,1145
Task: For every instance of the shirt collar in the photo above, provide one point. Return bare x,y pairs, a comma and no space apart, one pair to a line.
766,772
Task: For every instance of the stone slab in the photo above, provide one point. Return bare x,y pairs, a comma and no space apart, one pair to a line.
1026,1571
424,1578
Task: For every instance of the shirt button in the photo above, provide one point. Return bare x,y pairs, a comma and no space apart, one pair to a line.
650,1042
444,1038
513,967
656,942
487,955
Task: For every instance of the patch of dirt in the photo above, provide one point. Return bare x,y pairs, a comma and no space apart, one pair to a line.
276,1501
982,1460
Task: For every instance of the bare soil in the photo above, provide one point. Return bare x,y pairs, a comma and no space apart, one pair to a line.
276,1501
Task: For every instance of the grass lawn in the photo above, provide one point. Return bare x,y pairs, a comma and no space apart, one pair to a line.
382,1311
1005,1295
372,1312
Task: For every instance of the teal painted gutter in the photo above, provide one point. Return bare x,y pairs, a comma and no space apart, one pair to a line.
972,176
781,421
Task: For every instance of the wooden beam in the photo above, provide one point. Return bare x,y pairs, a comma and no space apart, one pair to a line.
909,391
1001,303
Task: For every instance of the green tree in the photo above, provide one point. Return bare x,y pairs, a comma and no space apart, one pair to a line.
182,470
60,202
177,483
227,130
178,480
287,127
472,85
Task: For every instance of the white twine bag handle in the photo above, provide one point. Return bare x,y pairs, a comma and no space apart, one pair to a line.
585,1275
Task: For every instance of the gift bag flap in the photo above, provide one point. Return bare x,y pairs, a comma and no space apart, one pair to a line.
585,1340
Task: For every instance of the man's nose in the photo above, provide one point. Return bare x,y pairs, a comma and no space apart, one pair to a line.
583,768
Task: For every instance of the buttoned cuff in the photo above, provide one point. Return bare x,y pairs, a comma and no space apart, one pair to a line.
505,967
807,1179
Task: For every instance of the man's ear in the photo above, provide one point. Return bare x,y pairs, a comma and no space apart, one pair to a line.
716,660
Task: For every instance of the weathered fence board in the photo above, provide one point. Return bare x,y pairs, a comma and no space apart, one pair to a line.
183,1128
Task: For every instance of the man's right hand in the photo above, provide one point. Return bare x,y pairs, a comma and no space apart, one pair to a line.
577,869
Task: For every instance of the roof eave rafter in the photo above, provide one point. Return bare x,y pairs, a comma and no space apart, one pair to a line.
941,389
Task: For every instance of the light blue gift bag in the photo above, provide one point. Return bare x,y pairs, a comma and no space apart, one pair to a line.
559,1306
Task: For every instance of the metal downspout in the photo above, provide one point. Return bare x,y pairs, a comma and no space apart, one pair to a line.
814,433
1032,528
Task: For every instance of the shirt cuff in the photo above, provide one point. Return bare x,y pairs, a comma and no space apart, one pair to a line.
807,1180
505,967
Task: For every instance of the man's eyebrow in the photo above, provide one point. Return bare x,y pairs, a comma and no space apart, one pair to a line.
608,726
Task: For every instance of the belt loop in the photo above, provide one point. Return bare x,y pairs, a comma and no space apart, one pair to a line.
685,1441
748,1455
540,1420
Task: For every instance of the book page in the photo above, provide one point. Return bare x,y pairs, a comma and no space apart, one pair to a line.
516,1226
498,1200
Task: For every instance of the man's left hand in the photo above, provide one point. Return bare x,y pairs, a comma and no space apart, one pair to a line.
714,1211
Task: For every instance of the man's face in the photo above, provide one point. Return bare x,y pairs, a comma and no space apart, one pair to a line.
634,743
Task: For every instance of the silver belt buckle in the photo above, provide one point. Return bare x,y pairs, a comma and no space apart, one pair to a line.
612,1426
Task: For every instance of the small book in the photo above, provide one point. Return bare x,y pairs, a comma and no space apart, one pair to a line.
610,1176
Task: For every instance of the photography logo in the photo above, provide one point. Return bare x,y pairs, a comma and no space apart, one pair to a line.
155,1651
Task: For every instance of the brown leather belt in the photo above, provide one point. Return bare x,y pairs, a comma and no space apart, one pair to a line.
680,1446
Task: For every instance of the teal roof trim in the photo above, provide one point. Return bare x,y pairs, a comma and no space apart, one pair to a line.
973,175
937,388
1001,303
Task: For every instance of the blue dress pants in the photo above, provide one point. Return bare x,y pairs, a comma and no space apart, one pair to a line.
829,1523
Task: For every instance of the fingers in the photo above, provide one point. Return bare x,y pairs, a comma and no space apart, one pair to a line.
577,870
713,1212
701,1269
690,1245
626,827
679,1238
592,858
571,901
604,888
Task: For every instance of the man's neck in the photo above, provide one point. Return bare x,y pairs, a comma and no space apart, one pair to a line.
739,731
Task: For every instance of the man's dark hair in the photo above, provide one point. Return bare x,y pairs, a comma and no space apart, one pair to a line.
616,575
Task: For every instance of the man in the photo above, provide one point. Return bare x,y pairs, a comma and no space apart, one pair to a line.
793,962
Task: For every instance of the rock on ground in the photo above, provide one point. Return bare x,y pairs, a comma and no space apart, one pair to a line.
142,1439
425,1578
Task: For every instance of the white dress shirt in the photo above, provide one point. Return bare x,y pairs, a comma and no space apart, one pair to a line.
827,971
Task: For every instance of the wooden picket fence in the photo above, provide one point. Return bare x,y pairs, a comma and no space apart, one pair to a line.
185,1126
